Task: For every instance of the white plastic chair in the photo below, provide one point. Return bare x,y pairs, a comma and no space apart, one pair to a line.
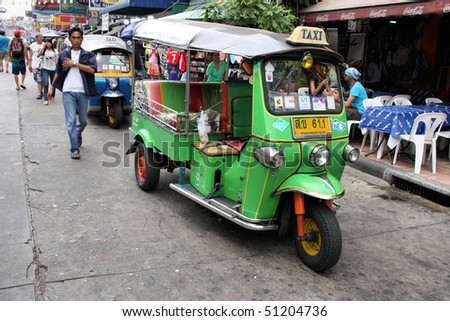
371,132
391,102
303,91
350,123
400,101
444,134
433,100
383,99
433,123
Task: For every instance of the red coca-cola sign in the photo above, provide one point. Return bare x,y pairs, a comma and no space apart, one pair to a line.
413,11
322,18
382,13
348,16
446,8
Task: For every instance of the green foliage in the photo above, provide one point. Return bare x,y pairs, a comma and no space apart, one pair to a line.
251,13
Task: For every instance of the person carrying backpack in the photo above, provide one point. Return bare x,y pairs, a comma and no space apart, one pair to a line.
17,51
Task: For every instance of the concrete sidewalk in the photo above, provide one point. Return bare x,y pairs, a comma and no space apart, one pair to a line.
16,248
435,187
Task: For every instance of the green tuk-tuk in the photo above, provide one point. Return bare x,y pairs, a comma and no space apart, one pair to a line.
264,152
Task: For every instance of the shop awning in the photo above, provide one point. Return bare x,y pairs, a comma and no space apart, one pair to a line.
137,7
331,10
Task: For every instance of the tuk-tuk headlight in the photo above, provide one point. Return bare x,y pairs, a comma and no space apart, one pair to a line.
270,157
113,83
351,154
320,155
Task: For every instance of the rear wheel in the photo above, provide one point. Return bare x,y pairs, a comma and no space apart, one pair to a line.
115,115
322,246
146,172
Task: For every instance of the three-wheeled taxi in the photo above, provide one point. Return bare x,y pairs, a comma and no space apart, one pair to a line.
113,77
263,153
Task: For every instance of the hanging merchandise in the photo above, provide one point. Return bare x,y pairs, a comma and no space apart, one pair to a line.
173,58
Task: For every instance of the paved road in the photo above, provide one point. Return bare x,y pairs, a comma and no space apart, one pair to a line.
82,230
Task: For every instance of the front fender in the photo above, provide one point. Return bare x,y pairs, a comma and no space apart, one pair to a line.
323,186
111,94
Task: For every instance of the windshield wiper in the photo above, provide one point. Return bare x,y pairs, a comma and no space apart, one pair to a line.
118,57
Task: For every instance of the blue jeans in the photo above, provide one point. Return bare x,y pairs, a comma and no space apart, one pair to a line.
45,74
74,102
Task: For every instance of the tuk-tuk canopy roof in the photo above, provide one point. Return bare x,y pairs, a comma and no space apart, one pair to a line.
206,36
96,42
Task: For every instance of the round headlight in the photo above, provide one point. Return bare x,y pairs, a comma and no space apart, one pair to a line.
113,83
270,157
351,154
320,155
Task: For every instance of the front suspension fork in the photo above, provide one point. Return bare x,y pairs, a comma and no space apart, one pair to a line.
299,209
107,105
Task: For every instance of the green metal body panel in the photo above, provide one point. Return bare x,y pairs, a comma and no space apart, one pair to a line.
322,185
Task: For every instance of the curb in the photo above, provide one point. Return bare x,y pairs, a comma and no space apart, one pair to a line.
391,175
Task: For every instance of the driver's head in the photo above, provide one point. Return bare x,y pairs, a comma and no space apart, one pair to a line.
321,70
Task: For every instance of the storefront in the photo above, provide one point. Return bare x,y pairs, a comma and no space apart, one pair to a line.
406,42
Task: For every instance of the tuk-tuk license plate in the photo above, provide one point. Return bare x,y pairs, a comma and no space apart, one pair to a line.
311,127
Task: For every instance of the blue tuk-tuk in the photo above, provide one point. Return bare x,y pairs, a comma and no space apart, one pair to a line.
113,77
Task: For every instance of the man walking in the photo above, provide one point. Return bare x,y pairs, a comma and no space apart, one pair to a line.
17,51
75,78
35,63
4,41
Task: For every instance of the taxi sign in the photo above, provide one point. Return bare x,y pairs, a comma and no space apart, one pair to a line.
311,127
303,35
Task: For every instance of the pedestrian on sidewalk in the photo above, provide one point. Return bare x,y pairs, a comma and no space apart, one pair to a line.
4,42
75,78
35,64
17,51
49,58
354,103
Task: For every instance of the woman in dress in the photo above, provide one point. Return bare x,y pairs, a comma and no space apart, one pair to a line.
153,65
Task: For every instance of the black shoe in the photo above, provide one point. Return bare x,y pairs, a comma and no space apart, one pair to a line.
40,96
80,140
75,155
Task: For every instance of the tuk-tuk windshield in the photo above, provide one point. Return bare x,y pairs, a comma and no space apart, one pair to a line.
292,89
113,61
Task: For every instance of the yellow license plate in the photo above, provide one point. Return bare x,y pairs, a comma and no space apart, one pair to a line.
311,127
110,72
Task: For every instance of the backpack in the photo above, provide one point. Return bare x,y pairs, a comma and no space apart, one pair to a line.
17,48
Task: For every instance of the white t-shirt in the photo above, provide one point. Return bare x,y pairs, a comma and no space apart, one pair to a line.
35,47
73,81
49,60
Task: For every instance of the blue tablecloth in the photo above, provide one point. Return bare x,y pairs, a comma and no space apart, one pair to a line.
398,120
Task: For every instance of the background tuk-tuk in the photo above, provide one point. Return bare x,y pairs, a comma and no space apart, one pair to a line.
113,77
264,153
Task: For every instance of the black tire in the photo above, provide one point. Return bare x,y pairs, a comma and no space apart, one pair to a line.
146,172
323,246
115,116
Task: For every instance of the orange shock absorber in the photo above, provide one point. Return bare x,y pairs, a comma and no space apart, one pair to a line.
328,203
299,208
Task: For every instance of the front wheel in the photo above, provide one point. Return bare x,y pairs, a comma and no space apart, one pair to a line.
115,114
146,172
322,246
